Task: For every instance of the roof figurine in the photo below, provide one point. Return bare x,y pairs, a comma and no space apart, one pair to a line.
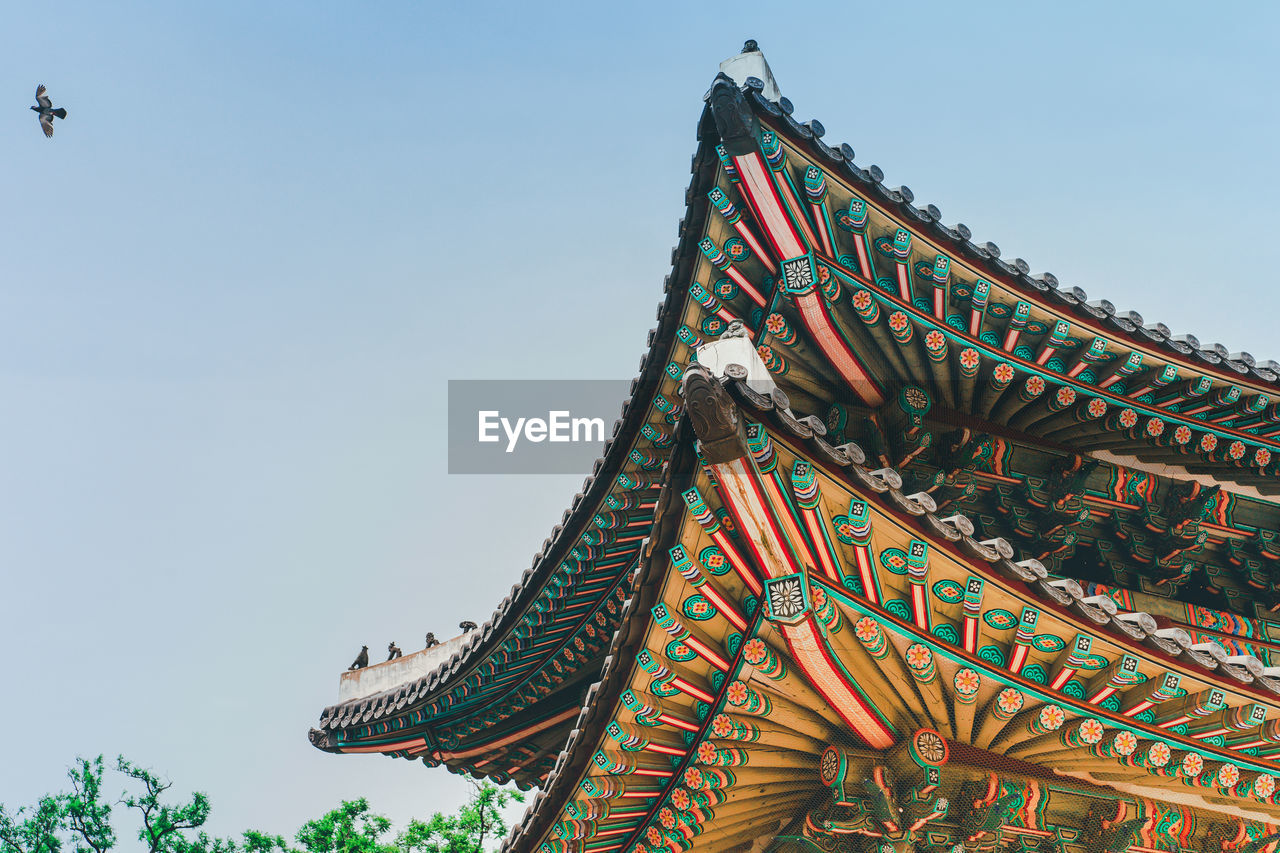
467,626
393,651
432,642
44,107
362,659
895,546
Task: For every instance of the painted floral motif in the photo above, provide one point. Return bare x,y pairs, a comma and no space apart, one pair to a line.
698,608
1124,743
916,398
776,324
862,300
1192,764
653,835
1010,701
867,629
919,657
1158,754
949,591
680,799
935,341
737,694
798,273
692,779
667,818
1001,620
713,560
1208,442
844,530
1264,786
786,597
1066,395
678,651
721,725
967,683
706,752
1182,435
1155,427
819,598
829,765
1097,407
898,321
969,358
1048,643
1035,385
1262,458
1003,373
894,560
1235,450
1128,418
1228,776
1051,718
755,651
1090,731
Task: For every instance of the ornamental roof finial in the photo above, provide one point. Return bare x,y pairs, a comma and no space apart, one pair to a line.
751,63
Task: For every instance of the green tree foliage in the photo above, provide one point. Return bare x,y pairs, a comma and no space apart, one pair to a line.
478,822
85,814
33,829
79,820
350,828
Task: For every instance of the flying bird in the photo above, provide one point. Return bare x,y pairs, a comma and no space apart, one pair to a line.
44,107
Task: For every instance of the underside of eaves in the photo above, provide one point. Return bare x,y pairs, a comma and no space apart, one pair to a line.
1130,470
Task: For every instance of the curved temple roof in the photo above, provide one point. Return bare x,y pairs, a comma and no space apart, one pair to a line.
1089,443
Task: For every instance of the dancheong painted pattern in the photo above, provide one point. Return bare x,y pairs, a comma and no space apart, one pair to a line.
896,547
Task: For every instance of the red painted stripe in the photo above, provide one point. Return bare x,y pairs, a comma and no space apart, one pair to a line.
754,242
813,313
697,693
814,659
814,525
739,563
758,189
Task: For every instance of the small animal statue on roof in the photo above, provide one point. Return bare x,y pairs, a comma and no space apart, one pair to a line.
467,626
362,659
431,640
393,651
44,107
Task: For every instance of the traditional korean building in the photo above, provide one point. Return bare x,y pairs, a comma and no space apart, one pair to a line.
897,546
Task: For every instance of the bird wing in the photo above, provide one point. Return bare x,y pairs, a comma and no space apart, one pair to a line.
46,124
41,98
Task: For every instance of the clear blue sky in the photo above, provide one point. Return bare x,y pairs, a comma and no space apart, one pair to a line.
236,281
